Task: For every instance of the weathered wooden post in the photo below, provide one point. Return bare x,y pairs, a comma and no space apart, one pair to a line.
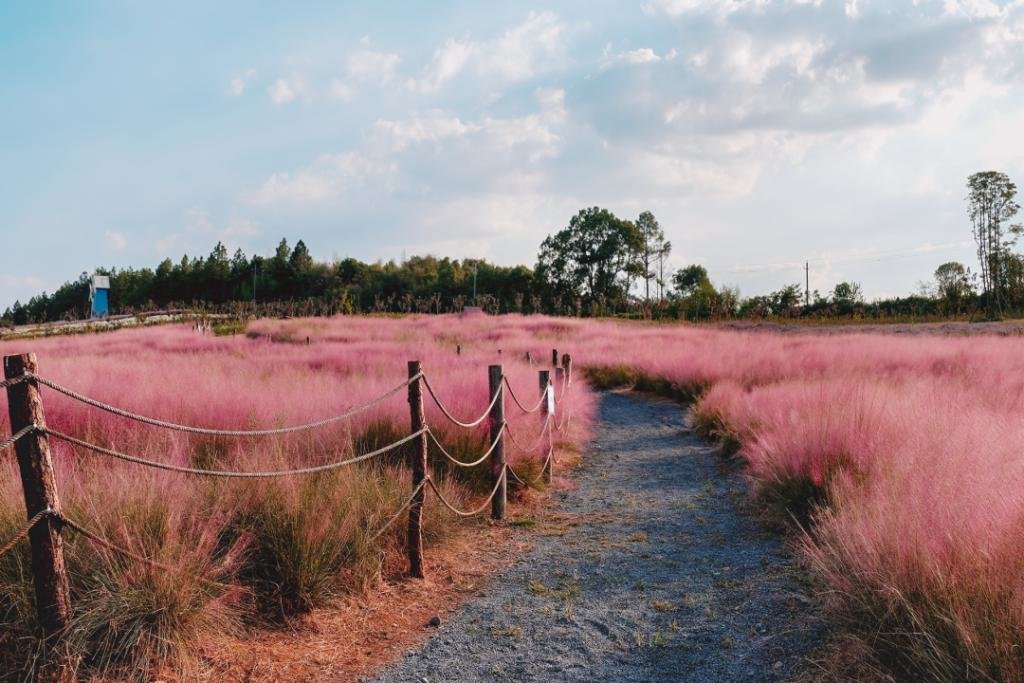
567,365
418,465
458,349
544,380
25,406
554,358
494,377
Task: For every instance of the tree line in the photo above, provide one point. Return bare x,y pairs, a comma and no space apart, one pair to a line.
599,264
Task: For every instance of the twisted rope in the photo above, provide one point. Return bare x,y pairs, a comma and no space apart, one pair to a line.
14,437
458,462
533,484
447,414
99,540
218,432
469,513
402,509
543,431
227,473
543,397
11,382
23,532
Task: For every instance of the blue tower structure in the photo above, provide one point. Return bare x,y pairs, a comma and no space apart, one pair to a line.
99,304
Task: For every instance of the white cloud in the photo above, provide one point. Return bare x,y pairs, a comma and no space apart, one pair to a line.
467,147
240,83
396,135
368,66
288,89
518,54
199,231
644,55
340,90
28,283
447,62
117,240
329,176
197,220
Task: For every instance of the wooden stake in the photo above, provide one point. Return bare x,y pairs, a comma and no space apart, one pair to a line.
49,573
418,465
567,364
544,379
494,377
554,358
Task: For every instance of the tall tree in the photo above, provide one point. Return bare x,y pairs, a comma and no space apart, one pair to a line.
991,202
690,279
952,281
591,257
654,248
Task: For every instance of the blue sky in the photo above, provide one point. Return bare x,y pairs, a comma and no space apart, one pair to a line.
761,134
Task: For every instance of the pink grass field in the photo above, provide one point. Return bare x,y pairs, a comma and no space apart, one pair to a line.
901,456
914,448
288,544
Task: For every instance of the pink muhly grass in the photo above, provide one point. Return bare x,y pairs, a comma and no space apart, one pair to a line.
274,548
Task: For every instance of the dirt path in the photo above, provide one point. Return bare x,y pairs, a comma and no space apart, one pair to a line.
649,572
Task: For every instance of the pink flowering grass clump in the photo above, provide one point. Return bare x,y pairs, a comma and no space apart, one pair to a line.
899,457
233,554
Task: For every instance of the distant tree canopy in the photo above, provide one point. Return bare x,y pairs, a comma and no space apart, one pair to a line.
420,284
597,259
592,258
598,264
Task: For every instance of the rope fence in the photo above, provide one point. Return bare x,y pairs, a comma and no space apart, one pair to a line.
218,432
25,406
23,531
451,418
475,511
540,403
229,473
9,441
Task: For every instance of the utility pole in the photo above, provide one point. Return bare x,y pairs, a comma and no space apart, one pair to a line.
807,283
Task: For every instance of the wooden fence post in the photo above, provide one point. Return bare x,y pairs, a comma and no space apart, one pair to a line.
544,380
567,364
25,406
418,465
554,358
494,377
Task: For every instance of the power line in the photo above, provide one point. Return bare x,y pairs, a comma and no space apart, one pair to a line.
859,258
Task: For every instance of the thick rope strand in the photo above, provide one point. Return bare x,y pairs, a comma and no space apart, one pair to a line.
452,418
228,473
469,513
515,399
458,462
23,532
9,441
405,506
218,432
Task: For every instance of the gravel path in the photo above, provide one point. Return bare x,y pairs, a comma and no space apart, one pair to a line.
649,571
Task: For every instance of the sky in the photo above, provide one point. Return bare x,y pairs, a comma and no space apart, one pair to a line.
761,134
